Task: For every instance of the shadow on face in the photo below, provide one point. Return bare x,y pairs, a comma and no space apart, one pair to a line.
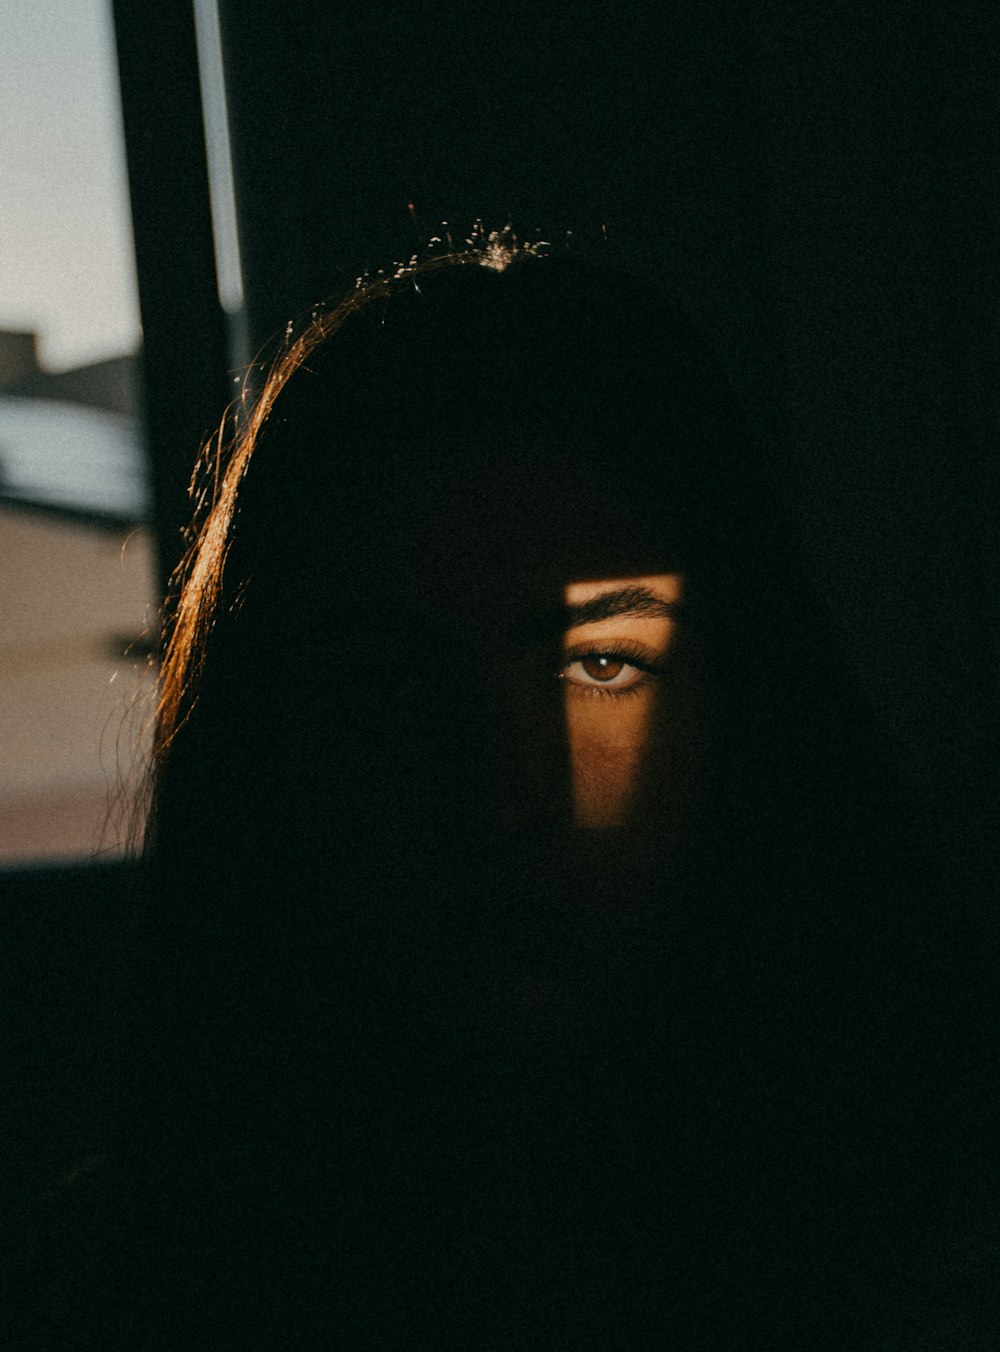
542,661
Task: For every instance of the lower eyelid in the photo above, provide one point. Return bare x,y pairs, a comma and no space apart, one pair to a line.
614,691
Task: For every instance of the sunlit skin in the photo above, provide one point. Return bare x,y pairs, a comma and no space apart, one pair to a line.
612,681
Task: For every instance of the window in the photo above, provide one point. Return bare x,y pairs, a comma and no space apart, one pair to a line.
77,582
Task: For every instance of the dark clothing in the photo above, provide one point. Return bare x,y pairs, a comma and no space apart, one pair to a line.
536,1129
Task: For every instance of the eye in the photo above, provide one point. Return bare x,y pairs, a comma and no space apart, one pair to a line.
613,672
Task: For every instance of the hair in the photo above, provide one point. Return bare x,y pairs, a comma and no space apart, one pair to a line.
525,342
284,1048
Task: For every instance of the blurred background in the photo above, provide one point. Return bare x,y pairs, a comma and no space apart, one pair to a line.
76,581
818,182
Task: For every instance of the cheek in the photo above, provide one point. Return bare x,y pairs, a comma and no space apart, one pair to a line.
609,742
637,762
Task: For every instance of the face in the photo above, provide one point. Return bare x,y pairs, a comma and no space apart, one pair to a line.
554,582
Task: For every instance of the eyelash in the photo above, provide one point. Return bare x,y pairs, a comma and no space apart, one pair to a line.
621,652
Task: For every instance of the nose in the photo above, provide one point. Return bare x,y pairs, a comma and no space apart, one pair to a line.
481,751
529,771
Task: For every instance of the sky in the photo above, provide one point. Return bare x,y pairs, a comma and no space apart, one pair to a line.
67,265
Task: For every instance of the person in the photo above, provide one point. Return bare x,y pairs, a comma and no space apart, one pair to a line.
521,964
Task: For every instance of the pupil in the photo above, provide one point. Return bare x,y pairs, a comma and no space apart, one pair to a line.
602,668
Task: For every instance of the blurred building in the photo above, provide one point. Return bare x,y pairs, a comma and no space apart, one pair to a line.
77,604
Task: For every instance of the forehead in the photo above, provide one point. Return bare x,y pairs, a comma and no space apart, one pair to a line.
517,526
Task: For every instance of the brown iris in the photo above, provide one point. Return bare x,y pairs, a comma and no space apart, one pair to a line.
601,668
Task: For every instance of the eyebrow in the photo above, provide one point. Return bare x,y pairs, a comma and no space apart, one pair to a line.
607,605
637,601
